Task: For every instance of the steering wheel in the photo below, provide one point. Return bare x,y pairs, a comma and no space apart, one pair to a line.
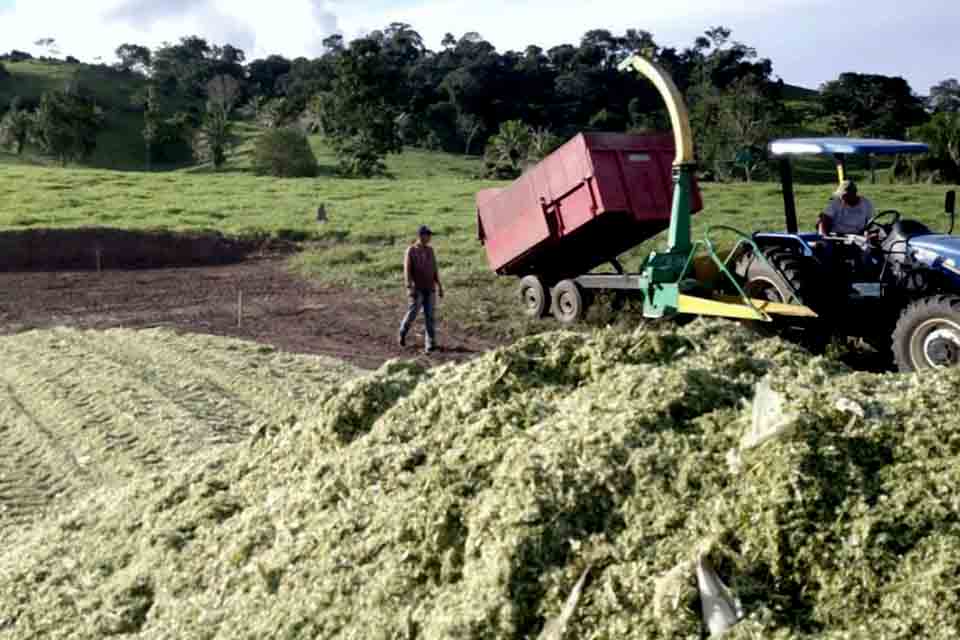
885,228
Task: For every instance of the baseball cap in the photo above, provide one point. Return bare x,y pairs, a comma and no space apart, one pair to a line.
424,231
846,187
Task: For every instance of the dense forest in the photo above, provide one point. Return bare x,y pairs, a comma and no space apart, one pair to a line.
376,94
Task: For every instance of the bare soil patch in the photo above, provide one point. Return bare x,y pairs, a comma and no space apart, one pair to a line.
95,248
279,307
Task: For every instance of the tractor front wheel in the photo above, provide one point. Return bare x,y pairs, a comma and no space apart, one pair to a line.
568,302
534,297
928,334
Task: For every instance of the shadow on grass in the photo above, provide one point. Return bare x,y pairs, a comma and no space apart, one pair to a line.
324,171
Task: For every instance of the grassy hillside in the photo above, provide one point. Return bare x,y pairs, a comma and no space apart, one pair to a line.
794,92
120,145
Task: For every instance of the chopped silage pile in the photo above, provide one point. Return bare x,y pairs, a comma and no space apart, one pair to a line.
470,501
86,409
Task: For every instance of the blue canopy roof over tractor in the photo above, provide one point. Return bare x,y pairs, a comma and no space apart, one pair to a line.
843,146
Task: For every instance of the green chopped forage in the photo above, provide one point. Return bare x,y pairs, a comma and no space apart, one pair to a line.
163,486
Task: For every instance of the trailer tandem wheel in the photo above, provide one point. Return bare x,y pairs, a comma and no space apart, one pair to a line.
534,297
568,302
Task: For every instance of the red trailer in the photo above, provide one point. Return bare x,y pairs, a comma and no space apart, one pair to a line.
594,198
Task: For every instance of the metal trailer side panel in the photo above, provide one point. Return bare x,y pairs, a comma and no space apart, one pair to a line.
515,222
595,197
512,224
635,175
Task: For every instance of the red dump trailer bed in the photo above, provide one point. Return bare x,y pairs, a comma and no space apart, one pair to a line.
594,198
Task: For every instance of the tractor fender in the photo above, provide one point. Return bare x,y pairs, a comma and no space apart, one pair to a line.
798,241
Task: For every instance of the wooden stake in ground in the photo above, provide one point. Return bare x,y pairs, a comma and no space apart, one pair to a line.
97,251
239,307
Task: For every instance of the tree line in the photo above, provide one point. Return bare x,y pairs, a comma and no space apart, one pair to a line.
386,90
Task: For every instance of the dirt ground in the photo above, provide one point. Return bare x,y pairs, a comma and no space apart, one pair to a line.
278,308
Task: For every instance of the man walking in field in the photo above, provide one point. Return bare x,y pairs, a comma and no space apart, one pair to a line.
423,282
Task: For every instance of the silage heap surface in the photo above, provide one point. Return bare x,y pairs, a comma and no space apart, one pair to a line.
467,501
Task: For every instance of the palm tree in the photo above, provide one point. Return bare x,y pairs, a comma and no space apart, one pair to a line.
510,147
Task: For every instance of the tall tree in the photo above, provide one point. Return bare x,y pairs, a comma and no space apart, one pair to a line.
306,79
469,126
134,57
152,122
66,125
264,75
750,116
359,119
185,68
945,96
719,73
942,133
213,139
16,127
871,105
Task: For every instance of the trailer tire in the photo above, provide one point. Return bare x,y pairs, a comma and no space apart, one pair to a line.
568,302
928,334
534,297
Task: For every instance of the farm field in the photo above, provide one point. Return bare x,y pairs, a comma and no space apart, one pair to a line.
370,221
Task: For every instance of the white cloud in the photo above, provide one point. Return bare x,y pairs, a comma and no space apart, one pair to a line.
296,27
94,28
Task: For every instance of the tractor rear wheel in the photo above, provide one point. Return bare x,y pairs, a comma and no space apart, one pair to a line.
791,273
534,297
928,334
568,302
788,276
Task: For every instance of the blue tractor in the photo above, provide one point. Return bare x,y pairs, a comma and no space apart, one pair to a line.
895,283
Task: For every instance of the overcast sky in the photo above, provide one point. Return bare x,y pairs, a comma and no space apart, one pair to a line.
809,41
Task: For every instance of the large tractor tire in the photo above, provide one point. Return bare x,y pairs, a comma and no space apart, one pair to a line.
927,335
534,297
788,273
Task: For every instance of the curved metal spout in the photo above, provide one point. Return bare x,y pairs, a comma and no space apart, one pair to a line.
679,116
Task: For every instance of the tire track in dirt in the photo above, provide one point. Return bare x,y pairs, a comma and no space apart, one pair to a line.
71,404
94,404
81,409
257,376
217,414
207,372
35,467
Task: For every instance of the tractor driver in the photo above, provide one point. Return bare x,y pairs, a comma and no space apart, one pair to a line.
847,213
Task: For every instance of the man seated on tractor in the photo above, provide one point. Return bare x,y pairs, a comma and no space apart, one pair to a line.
847,213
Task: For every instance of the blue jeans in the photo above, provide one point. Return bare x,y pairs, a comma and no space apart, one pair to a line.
420,298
